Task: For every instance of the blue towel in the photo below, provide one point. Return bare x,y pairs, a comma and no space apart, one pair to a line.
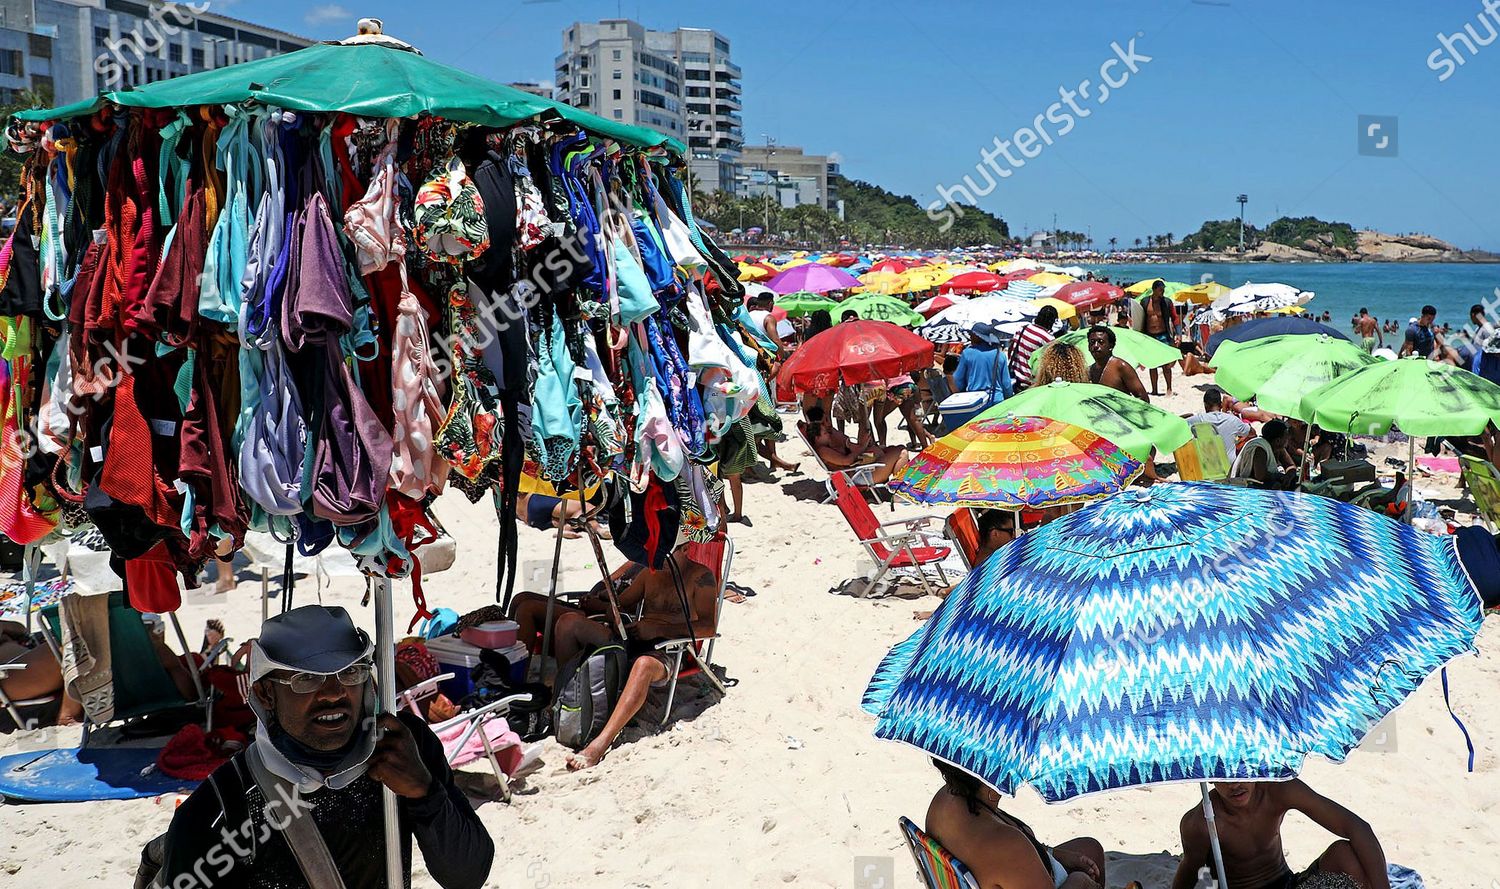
1403,877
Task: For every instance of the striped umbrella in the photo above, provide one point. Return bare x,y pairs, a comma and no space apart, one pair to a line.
1014,462
1183,632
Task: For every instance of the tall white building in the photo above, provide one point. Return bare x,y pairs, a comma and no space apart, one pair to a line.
78,48
680,82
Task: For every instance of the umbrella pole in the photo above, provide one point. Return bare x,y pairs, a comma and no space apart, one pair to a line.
1213,837
30,564
551,602
1411,475
385,665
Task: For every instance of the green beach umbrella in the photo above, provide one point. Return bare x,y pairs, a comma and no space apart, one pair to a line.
879,307
1421,397
1135,426
1279,370
1131,345
804,303
362,79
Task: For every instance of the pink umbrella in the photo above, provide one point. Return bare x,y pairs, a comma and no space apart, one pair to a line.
812,278
1088,294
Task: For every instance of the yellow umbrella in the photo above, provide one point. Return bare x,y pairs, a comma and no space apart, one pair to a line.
1047,279
793,263
755,273
1288,310
888,283
1200,294
1065,310
1141,287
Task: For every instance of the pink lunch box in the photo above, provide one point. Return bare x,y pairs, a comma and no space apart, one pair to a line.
491,634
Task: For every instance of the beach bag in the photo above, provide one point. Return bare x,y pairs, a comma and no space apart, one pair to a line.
588,687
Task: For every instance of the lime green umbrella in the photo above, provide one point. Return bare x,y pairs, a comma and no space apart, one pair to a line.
362,79
1132,346
879,307
1142,289
1421,397
1278,370
804,303
1135,426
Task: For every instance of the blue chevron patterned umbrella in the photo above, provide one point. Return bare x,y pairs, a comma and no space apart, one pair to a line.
1181,632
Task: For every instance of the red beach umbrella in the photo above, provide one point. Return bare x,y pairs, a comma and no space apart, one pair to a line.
853,352
1088,294
972,282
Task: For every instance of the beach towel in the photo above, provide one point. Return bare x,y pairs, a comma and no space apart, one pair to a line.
84,621
505,743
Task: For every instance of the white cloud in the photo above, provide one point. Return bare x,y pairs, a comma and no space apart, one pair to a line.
328,13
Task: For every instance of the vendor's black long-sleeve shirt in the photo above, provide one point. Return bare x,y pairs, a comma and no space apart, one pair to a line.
228,844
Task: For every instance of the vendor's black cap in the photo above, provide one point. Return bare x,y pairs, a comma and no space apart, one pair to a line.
314,638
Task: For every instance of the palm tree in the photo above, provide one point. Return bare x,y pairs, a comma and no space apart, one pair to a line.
1170,240
1112,244
1137,243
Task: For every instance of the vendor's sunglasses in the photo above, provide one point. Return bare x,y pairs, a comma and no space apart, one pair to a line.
306,683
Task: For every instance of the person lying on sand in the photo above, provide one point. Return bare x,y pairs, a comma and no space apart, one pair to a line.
544,512
999,849
1249,815
838,452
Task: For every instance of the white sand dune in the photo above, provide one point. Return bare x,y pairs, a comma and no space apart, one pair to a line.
782,783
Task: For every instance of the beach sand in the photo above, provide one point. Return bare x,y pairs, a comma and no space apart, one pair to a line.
782,782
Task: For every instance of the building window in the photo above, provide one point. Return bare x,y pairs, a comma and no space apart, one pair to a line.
41,47
615,55
616,74
617,95
619,115
721,45
198,60
12,62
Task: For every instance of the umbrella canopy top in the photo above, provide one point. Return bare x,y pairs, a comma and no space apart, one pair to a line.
1012,462
1184,632
362,79
851,353
1264,327
812,277
1136,426
1130,345
1277,371
1421,397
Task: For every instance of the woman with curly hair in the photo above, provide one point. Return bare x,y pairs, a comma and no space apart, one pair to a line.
1061,361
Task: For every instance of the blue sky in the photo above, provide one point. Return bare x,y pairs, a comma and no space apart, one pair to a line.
1252,96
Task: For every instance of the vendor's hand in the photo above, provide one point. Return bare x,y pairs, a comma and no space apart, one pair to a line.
1077,862
395,762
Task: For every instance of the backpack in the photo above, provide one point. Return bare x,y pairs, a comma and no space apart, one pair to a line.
588,686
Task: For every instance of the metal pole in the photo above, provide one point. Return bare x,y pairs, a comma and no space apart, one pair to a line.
29,565
541,669
385,665
1213,837
1411,474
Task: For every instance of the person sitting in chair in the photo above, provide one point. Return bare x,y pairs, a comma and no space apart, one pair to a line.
1248,816
999,848
837,452
654,592
1258,463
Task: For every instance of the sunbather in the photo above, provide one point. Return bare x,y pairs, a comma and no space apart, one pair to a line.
1000,849
662,618
837,452
1248,817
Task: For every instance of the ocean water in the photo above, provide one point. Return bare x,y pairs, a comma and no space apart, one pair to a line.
1388,290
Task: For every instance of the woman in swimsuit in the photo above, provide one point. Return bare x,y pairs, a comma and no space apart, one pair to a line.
1000,850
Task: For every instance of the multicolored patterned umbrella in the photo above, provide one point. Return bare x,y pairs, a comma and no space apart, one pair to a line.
1180,632
1014,462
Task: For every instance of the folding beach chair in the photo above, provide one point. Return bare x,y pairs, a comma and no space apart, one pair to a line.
963,530
862,476
935,865
1204,458
455,733
717,556
1483,481
19,709
913,547
140,685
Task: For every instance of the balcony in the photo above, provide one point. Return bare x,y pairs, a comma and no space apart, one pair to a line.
726,112
725,65
731,97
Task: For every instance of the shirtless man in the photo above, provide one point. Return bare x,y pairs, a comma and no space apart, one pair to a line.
662,618
1249,816
1368,328
1161,321
1107,370
837,452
